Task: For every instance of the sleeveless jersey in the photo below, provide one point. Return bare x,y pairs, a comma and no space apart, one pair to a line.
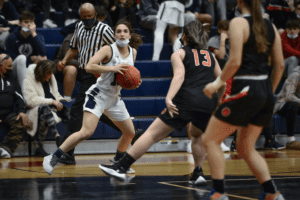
254,63
107,81
199,67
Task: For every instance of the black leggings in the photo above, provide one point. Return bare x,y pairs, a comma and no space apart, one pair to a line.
290,110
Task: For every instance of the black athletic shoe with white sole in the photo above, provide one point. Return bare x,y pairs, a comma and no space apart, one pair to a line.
197,177
115,171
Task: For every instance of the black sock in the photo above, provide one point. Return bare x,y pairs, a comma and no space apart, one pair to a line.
119,155
218,185
269,187
126,161
58,153
198,169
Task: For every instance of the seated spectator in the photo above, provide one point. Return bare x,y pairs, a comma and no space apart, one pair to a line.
210,9
147,13
219,44
25,46
68,74
103,15
280,11
296,14
43,102
291,46
9,20
12,108
287,105
237,13
122,9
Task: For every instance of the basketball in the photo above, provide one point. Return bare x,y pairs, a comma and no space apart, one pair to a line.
129,79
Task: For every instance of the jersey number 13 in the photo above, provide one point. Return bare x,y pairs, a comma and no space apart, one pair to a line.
206,62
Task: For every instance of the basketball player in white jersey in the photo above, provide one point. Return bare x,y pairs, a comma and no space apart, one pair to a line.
104,96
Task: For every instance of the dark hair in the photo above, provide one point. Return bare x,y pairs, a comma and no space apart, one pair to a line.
297,3
136,39
26,15
223,25
196,35
258,25
44,68
292,24
101,13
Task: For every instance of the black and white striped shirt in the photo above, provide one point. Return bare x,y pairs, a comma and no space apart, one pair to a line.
89,41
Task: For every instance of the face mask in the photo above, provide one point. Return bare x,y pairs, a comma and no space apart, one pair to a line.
181,41
26,30
298,16
88,22
292,36
8,73
122,43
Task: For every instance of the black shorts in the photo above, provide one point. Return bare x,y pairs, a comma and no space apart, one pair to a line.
250,102
178,122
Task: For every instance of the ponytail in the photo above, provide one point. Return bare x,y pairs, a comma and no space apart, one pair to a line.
258,25
196,35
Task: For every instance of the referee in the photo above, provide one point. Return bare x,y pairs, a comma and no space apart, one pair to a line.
89,36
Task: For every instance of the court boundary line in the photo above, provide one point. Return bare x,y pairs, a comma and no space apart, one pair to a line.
189,188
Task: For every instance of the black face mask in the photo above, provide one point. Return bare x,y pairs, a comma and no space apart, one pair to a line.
89,22
8,73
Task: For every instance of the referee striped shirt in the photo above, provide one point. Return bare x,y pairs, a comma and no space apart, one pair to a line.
89,41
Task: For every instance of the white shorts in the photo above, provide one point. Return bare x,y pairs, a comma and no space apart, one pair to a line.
171,12
98,103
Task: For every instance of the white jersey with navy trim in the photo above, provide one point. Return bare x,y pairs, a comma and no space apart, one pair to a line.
107,81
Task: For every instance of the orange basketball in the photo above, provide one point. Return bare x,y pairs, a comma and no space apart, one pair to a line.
129,79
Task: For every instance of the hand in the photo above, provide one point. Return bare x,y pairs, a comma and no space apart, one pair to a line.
97,75
113,8
171,108
24,118
32,28
3,29
61,65
0,120
120,67
224,35
58,105
14,22
139,84
209,90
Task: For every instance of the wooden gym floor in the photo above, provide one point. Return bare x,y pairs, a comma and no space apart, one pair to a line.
158,176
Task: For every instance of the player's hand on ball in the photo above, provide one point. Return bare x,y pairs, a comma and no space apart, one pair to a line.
209,90
171,108
140,83
120,67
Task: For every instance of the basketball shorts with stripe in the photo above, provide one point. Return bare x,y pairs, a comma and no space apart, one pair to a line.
99,103
250,102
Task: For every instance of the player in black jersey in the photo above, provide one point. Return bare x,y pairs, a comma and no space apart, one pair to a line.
193,67
250,105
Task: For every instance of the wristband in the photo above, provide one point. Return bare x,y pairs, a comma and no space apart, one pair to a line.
218,83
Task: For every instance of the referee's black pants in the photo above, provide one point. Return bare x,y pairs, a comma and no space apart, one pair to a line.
75,122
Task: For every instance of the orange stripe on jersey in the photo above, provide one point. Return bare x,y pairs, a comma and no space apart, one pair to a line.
242,94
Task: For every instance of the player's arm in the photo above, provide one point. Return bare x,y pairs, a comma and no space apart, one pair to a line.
102,56
277,60
178,71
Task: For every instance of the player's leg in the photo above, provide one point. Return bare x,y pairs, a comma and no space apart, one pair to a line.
90,122
199,155
156,132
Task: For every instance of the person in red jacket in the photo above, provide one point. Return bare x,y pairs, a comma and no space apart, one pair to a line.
291,46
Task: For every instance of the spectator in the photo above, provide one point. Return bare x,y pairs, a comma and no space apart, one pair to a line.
124,8
11,98
280,11
296,14
287,105
25,46
43,102
103,15
237,13
209,8
48,23
147,13
9,20
219,44
170,13
68,74
291,46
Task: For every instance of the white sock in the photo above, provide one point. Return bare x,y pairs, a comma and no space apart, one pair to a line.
291,139
158,39
68,97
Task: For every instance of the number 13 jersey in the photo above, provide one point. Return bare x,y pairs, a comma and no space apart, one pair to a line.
199,67
107,81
